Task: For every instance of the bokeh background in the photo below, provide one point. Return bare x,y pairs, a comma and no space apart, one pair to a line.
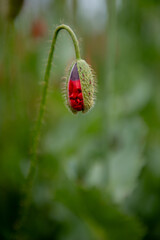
98,175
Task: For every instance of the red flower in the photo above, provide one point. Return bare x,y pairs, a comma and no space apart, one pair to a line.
75,91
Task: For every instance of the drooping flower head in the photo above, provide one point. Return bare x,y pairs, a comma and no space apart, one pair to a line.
80,87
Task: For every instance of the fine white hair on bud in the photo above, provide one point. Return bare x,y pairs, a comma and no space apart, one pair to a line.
80,87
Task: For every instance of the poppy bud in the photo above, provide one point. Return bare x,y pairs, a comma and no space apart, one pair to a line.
80,87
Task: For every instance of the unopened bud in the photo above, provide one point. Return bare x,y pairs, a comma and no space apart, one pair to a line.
80,87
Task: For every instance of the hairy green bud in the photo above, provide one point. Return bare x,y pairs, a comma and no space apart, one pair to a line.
80,87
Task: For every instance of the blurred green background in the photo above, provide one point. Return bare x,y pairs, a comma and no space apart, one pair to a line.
98,175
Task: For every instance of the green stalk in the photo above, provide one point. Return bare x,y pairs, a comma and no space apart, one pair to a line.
36,138
111,55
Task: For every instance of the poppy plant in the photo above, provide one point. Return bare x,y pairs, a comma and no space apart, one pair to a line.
79,92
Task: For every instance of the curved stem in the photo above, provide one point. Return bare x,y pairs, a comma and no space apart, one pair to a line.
33,164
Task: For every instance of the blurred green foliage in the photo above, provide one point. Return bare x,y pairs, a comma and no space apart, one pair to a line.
99,174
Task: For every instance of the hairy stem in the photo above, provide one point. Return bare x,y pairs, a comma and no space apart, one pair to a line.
36,138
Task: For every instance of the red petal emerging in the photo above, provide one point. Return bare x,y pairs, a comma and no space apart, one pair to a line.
75,91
